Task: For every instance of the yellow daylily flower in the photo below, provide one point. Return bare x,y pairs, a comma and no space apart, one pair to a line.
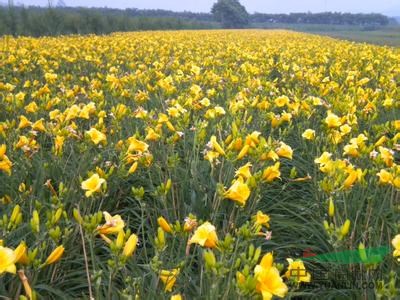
244,171
168,277
285,151
239,191
297,271
271,172
309,134
96,136
396,246
332,120
7,260
205,236
269,281
113,224
92,184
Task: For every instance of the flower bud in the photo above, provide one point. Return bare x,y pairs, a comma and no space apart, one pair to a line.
331,208
55,255
209,258
344,230
164,224
120,239
130,245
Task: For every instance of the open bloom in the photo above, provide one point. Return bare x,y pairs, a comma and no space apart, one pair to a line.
297,271
271,172
137,146
239,191
5,163
269,282
205,236
7,260
244,171
114,224
261,219
309,134
93,184
168,277
216,146
96,136
285,151
332,120
396,245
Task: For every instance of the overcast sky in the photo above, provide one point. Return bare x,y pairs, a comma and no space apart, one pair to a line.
390,7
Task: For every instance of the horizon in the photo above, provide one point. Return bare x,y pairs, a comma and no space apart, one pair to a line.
386,7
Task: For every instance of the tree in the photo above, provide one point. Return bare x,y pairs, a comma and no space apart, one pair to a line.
230,13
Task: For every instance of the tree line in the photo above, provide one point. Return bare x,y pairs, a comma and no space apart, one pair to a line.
40,21
330,18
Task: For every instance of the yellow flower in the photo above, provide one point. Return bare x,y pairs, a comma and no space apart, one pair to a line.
5,163
324,158
217,147
130,245
261,219
31,107
205,235
239,192
396,246
20,254
309,134
269,282
332,120
297,271
164,224
39,126
243,152
23,122
211,156
190,223
344,230
386,155
152,135
92,185
55,255
133,168
281,101
253,139
244,171
168,277
385,177
136,145
7,260
353,176
113,224
96,136
58,144
176,297
271,172
285,151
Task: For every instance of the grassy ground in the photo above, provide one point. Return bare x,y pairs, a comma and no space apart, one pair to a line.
389,35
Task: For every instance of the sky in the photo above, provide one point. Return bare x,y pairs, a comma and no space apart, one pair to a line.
388,7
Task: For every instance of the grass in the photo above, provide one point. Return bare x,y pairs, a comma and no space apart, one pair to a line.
384,36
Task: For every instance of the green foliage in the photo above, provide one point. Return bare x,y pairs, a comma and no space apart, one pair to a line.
230,13
51,21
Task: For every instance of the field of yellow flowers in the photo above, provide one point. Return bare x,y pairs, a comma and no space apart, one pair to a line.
197,165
